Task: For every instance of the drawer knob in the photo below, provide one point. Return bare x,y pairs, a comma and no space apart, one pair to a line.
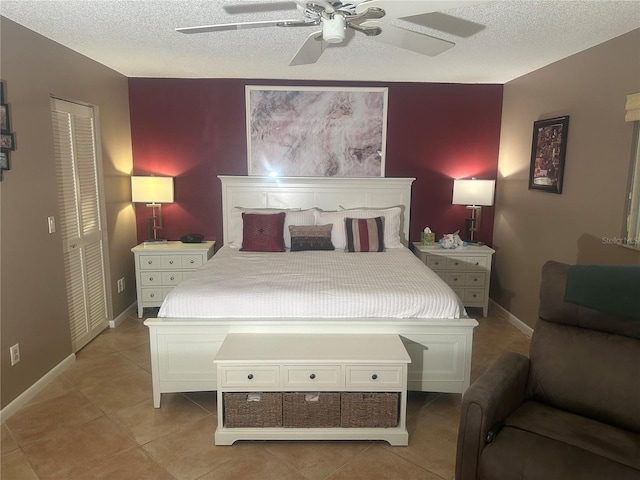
477,263
312,376
152,295
170,262
475,279
475,295
456,263
250,376
150,262
191,261
374,376
151,279
455,279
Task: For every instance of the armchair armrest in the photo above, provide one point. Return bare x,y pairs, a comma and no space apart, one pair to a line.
490,399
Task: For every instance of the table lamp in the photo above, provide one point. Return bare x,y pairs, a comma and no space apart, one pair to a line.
474,194
154,191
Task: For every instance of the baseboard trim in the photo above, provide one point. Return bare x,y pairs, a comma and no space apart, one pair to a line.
120,318
24,398
513,320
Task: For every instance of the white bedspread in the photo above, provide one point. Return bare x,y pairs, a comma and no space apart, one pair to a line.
313,284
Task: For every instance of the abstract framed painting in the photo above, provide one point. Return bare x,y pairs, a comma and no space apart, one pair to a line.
316,131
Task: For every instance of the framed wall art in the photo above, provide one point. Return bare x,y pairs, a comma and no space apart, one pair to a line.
548,152
316,131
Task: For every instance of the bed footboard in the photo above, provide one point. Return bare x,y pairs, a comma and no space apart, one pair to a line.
182,350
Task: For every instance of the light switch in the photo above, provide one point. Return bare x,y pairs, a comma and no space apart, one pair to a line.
52,224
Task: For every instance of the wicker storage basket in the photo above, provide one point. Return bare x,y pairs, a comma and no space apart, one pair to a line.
361,410
311,410
242,410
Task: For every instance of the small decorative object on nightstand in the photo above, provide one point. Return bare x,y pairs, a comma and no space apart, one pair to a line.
467,270
161,266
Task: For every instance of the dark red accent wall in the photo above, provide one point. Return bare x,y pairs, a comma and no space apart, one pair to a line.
194,130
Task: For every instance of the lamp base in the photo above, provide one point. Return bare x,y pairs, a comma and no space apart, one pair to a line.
155,241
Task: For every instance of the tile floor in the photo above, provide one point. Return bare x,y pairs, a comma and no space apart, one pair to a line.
97,421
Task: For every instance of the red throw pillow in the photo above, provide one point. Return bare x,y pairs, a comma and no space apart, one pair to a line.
365,234
263,232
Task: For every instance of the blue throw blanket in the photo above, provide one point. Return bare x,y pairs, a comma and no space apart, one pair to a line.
606,288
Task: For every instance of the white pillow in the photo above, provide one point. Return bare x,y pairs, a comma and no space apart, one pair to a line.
338,233
294,216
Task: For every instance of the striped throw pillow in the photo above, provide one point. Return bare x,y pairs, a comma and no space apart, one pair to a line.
365,234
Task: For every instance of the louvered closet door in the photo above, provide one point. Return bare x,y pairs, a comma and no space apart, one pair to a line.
80,224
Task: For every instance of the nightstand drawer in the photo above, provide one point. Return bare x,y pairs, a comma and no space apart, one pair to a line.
250,376
312,376
473,295
435,262
374,377
151,278
171,278
150,262
455,278
477,263
150,295
191,261
475,279
171,261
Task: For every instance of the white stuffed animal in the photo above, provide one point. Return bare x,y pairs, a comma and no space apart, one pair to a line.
451,241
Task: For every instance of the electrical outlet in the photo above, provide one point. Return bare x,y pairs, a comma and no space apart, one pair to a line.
52,224
121,285
15,354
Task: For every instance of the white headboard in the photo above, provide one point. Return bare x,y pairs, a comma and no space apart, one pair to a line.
326,193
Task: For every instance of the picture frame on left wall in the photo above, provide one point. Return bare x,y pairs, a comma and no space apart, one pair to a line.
7,142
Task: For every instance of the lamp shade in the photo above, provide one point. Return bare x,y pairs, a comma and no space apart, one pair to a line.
473,192
152,189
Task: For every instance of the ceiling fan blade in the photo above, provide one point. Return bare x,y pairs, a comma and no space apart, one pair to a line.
240,26
409,8
260,7
409,40
310,50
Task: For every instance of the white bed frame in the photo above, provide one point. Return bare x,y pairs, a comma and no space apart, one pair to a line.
182,349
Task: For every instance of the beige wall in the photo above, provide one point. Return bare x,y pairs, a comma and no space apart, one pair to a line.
33,302
531,226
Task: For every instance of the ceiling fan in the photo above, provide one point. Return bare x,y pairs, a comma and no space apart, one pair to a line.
365,17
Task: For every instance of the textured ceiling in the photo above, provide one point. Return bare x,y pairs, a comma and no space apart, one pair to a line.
495,41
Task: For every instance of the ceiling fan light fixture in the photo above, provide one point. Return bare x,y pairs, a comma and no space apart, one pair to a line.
333,29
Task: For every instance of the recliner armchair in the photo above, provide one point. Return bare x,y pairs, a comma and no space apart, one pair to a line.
571,410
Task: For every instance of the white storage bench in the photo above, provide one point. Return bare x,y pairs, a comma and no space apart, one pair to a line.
312,387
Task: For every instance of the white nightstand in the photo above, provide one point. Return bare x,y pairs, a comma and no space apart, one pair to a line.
160,267
466,269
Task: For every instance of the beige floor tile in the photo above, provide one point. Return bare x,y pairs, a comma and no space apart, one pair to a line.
123,339
140,355
380,464
97,346
66,453
189,452
59,386
7,443
121,392
207,400
146,423
132,464
15,466
256,464
89,371
432,443
44,418
316,460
